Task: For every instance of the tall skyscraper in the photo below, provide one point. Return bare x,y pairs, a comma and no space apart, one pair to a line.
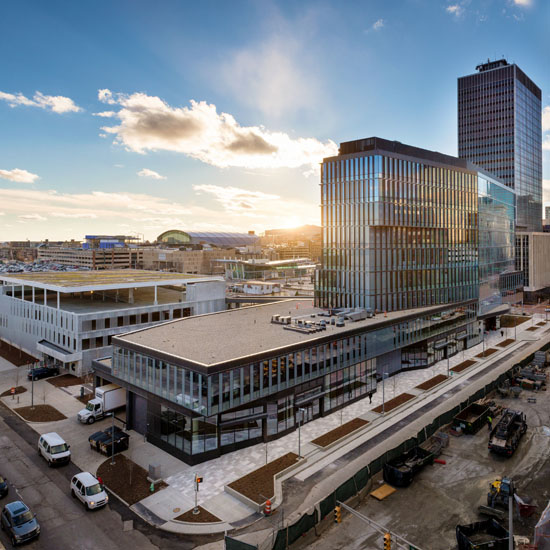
500,130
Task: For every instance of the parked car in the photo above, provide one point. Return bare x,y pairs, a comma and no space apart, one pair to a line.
42,372
54,449
19,522
4,488
86,488
98,437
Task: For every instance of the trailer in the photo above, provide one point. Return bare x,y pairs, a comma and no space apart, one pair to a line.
506,435
472,418
482,535
400,471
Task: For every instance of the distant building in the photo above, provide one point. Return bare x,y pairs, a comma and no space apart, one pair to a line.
260,269
199,260
500,130
69,318
177,237
93,258
533,258
547,212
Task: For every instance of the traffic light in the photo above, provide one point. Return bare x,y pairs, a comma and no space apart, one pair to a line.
337,514
199,480
387,541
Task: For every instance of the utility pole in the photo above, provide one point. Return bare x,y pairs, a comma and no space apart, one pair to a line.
301,411
511,520
112,439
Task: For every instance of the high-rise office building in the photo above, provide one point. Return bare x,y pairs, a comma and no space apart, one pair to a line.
500,130
547,212
406,228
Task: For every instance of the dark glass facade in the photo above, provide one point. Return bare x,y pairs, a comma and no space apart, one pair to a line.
499,129
403,231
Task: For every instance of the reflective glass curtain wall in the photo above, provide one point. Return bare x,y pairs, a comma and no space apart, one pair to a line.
397,234
500,130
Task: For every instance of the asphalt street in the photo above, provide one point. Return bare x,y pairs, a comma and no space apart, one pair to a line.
64,522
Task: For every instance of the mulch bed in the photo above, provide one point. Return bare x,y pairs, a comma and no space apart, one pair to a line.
486,353
40,413
505,343
394,403
204,516
86,398
509,321
464,365
531,329
65,380
432,382
15,356
258,485
18,390
541,324
127,479
334,435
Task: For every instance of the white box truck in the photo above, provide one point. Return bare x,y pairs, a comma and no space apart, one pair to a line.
107,399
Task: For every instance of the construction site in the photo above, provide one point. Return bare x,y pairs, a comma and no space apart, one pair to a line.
457,492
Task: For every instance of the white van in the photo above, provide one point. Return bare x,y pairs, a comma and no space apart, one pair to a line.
88,490
54,449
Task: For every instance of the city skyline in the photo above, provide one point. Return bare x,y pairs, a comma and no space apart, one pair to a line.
117,123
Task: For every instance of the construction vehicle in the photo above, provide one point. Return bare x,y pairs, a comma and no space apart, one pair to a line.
506,435
499,492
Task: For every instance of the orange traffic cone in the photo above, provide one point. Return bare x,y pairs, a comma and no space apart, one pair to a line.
267,508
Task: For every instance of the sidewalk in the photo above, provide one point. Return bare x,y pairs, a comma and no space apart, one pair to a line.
161,508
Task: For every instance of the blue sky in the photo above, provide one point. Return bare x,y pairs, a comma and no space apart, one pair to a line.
121,117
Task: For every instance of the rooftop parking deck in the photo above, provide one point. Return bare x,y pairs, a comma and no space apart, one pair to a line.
77,281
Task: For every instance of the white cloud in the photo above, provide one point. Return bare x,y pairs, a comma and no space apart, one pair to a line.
67,215
546,191
261,210
32,217
377,25
546,119
522,2
19,176
105,114
236,199
546,143
147,123
455,9
58,104
146,173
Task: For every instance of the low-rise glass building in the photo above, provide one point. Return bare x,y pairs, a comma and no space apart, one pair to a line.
210,384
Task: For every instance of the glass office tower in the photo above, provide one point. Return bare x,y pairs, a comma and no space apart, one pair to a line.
499,129
405,228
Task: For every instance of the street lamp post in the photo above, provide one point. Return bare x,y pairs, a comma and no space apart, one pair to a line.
301,411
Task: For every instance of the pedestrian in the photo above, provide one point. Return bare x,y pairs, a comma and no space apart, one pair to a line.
370,398
502,333
100,480
489,423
